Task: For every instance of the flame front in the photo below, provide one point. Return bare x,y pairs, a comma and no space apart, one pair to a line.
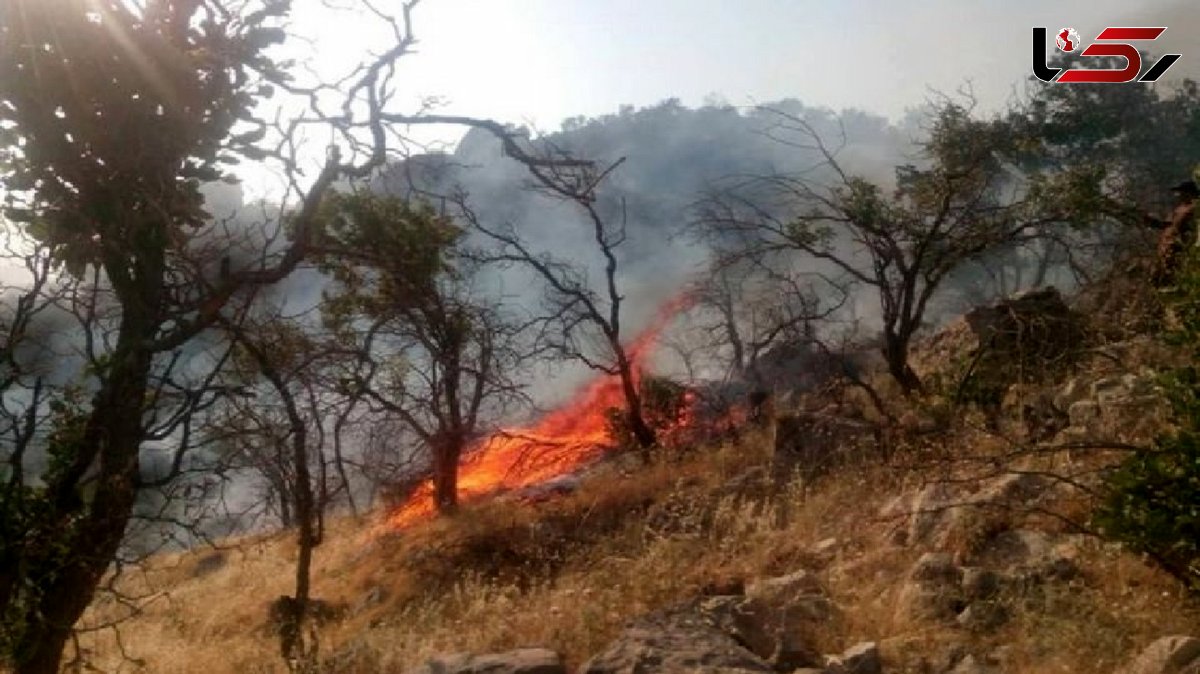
559,443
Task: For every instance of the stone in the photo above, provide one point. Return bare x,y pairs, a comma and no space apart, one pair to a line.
1017,547
520,661
925,511
674,642
1168,655
785,588
933,590
972,665
563,485
776,619
983,616
980,584
862,659
936,568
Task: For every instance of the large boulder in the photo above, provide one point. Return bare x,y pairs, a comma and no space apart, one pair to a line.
1168,655
933,591
520,661
778,619
674,641
1032,337
772,627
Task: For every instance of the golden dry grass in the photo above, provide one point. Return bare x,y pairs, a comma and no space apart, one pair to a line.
568,573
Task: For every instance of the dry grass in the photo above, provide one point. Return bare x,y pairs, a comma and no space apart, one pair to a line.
568,574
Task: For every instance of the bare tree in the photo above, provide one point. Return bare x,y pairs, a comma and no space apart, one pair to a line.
291,415
747,308
577,310
961,202
433,354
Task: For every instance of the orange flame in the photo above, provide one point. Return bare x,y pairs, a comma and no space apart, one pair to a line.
559,443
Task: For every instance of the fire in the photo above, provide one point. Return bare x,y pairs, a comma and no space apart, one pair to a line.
559,443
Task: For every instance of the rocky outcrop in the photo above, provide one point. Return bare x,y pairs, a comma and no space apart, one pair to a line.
1168,655
1131,403
943,514
520,661
933,591
859,659
772,627
674,641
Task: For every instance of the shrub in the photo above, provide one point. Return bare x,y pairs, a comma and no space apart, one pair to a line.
1152,500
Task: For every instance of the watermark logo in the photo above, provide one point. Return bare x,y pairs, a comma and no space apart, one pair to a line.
1067,39
1112,41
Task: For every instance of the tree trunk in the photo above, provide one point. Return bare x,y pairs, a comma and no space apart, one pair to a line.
895,351
642,433
446,453
82,540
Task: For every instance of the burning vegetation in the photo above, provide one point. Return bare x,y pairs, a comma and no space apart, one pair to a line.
591,424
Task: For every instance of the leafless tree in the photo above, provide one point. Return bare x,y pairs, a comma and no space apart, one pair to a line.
576,310
962,201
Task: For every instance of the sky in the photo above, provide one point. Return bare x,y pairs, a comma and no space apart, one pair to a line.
539,61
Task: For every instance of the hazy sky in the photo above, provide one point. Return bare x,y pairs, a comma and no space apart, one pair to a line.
540,61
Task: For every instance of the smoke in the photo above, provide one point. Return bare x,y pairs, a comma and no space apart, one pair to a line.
671,155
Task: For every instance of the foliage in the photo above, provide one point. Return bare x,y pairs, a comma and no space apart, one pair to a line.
664,405
125,115
961,200
432,355
1152,500
384,252
1140,139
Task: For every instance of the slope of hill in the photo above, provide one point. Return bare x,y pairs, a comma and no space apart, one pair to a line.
957,541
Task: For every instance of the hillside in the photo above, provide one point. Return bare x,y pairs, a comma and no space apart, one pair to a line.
957,541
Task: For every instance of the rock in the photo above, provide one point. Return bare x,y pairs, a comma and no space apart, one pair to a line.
678,641
785,588
1031,556
1027,338
933,590
980,584
936,568
781,636
1014,489
777,619
972,665
862,659
1017,547
562,485
925,511
825,550
1075,390
983,616
520,661
1168,655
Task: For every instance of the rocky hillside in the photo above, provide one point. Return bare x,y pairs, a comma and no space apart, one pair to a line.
956,539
